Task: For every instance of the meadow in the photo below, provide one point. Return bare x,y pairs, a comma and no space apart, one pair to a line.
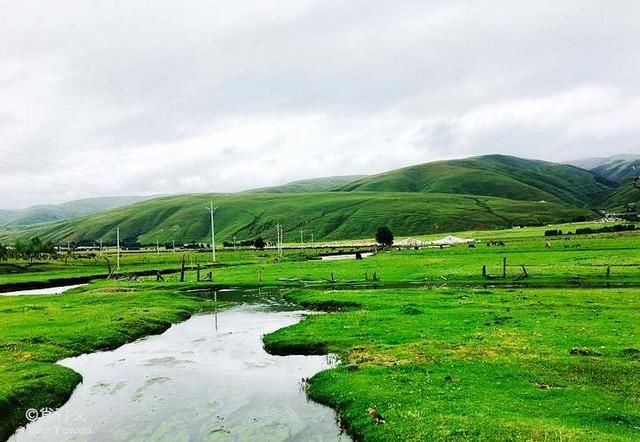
442,352
476,364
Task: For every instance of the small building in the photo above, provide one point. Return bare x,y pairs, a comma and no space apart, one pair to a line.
452,240
409,242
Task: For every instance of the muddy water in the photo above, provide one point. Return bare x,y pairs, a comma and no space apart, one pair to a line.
207,378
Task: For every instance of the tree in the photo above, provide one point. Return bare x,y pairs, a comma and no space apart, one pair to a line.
33,249
259,243
384,236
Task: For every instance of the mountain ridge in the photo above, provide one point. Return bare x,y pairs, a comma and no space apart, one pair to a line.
43,213
494,175
491,191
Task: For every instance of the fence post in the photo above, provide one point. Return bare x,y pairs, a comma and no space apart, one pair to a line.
504,266
484,271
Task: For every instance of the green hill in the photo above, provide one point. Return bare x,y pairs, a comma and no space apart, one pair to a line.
626,194
57,212
334,215
326,184
494,175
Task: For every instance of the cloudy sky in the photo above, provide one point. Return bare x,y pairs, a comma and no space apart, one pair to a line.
114,97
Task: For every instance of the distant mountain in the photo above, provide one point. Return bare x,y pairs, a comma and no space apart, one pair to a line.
57,212
475,193
325,215
617,168
327,184
588,163
494,175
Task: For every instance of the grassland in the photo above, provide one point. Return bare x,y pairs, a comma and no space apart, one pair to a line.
440,351
568,261
85,265
471,364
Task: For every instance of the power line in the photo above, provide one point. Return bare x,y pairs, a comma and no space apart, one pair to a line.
81,183
50,183
52,164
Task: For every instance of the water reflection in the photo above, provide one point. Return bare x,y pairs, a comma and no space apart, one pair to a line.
206,378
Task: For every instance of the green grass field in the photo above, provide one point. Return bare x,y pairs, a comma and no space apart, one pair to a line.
440,351
460,364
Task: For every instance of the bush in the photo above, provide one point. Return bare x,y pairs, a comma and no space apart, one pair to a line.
606,229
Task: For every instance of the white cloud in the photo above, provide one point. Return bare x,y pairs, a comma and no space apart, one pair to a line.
207,95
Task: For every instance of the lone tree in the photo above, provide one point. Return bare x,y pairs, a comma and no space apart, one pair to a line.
259,243
384,236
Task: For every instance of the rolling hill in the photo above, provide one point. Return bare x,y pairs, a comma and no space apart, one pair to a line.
485,192
57,212
627,194
494,175
327,184
330,215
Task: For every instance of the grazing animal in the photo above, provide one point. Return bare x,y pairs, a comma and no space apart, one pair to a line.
375,415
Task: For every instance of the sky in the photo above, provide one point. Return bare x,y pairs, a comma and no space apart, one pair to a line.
114,97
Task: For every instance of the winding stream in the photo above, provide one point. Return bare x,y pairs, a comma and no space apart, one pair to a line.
207,378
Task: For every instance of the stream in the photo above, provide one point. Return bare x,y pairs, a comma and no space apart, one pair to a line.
43,291
207,378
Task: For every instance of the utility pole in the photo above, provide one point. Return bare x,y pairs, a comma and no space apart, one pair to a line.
157,247
118,248
280,232
301,238
234,242
100,247
212,210
173,242
281,240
